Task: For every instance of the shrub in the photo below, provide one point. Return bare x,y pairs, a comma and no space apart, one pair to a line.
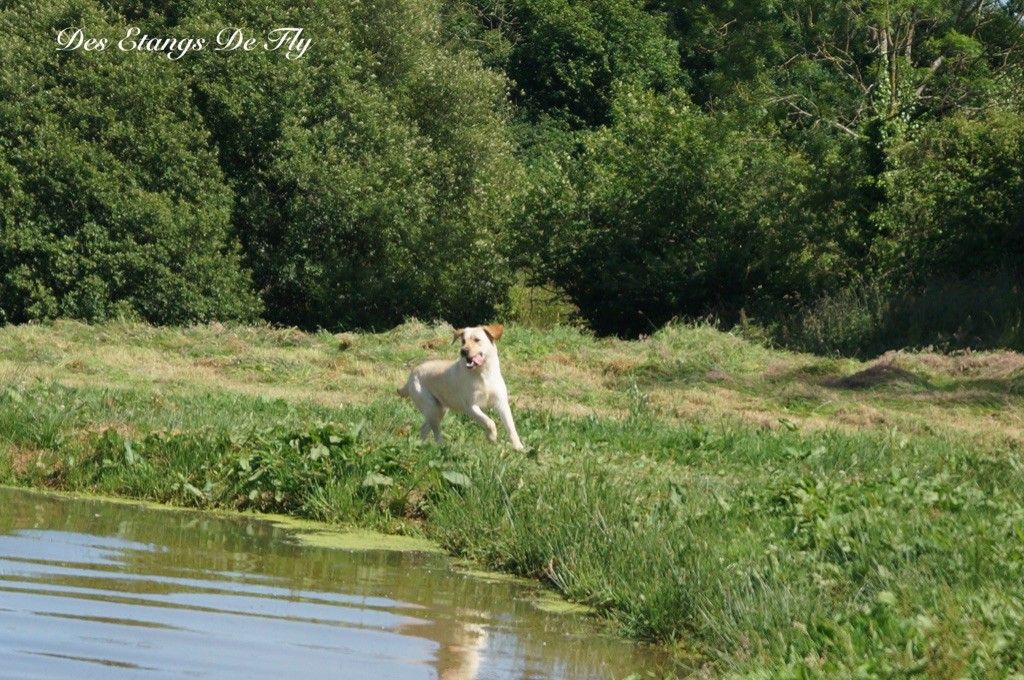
955,207
672,213
111,200
374,175
983,311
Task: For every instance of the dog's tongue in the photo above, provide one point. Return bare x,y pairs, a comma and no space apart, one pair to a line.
478,360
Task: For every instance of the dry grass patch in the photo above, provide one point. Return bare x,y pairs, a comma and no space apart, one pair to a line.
618,367
883,373
990,365
687,373
22,458
435,343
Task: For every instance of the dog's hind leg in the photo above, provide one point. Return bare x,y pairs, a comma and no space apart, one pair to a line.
433,411
436,426
432,422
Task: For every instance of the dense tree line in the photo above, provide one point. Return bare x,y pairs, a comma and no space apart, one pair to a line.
367,181
848,177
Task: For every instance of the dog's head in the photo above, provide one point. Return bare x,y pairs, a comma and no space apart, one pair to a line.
478,343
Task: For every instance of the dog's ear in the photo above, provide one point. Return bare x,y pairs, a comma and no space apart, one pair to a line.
494,331
458,334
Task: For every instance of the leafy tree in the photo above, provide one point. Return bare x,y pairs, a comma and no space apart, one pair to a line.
886,89
850,66
374,176
111,201
818,150
671,212
565,58
955,200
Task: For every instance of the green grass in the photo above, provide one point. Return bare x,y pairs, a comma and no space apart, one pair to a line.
760,513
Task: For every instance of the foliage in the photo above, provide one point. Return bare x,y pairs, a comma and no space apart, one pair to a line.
811,170
762,163
671,212
566,59
851,68
345,175
277,471
955,207
982,311
374,176
949,239
107,208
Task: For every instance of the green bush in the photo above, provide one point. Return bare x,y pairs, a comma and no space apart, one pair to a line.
673,213
425,155
566,59
374,176
955,200
111,200
368,181
983,311
849,322
279,470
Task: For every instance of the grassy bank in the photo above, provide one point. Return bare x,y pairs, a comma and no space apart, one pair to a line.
759,512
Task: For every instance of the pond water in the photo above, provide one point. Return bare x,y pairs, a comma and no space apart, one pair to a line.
98,589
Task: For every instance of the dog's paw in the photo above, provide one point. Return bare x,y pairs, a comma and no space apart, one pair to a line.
531,452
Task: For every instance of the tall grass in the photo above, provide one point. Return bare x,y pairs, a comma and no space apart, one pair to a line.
750,547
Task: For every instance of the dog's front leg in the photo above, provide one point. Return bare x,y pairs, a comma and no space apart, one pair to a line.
510,426
478,413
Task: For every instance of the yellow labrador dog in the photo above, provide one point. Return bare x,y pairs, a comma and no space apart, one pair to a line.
468,385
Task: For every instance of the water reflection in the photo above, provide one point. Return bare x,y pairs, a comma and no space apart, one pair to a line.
105,590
